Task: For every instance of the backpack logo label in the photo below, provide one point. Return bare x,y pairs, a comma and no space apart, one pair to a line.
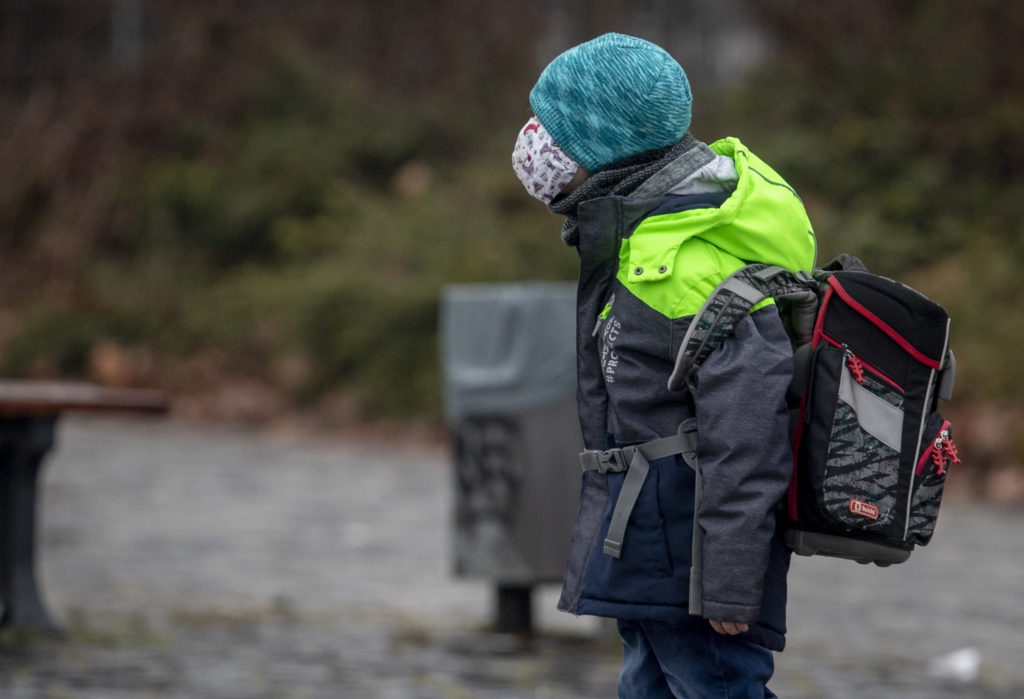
864,509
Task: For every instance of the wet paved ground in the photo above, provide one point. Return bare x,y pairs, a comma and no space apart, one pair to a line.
198,564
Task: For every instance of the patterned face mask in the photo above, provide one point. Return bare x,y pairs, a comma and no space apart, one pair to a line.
542,167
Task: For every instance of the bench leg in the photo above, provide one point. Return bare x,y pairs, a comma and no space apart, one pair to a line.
24,443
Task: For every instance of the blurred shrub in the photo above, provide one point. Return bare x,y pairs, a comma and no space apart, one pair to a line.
902,126
282,192
312,230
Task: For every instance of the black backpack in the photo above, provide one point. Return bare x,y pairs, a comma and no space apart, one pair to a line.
871,450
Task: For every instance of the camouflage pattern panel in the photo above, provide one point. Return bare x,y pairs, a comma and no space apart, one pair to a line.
860,486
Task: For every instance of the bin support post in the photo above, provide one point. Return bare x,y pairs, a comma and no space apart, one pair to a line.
23,444
514,609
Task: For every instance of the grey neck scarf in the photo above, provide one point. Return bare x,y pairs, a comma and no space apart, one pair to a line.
620,178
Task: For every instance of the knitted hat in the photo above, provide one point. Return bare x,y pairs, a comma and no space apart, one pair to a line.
612,97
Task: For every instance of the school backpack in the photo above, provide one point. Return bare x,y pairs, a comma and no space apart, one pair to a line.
871,450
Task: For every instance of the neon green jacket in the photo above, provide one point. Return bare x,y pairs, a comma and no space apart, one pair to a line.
673,261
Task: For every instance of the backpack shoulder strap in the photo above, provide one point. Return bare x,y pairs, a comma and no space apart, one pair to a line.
732,300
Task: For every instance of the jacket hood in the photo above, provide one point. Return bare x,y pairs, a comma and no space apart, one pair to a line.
763,220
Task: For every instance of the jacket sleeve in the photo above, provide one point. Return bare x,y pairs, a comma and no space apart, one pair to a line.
745,459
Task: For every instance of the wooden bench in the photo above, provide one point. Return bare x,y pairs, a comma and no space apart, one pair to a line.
29,411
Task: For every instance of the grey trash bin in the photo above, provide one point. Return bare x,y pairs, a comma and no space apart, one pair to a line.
509,372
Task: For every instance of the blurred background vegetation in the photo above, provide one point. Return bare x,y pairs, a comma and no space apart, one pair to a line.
255,204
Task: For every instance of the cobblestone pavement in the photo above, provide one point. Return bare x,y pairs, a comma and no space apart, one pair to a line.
200,563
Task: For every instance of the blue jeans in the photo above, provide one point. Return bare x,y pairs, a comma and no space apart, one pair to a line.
690,660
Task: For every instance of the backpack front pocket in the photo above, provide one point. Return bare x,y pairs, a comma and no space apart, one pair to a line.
858,469
938,453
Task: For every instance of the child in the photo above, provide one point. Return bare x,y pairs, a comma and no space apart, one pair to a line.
659,219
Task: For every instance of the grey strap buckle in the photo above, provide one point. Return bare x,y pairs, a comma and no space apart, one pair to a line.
608,461
688,437
635,461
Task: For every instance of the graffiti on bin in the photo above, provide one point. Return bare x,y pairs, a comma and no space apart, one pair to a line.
488,474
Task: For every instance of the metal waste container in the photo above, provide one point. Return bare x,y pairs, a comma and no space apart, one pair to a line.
509,369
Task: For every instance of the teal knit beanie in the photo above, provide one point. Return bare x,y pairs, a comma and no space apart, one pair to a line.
612,97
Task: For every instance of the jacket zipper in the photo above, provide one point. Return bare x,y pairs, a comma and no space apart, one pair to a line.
603,316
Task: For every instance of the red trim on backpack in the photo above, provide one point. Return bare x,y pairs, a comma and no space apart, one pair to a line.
829,340
868,365
881,374
819,323
881,325
946,451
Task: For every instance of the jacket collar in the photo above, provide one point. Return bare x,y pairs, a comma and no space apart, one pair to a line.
664,179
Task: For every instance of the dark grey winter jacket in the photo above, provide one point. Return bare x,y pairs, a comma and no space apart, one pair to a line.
648,262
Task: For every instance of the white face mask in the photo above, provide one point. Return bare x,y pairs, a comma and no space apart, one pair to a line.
542,167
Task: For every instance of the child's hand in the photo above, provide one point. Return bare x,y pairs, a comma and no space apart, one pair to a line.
729,628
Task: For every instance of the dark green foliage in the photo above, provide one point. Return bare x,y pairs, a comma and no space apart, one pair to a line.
902,125
316,226
295,188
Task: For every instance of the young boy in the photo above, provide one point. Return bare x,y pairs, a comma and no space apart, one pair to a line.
659,219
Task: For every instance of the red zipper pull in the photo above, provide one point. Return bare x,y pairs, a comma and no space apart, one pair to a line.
939,459
939,453
856,366
949,448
